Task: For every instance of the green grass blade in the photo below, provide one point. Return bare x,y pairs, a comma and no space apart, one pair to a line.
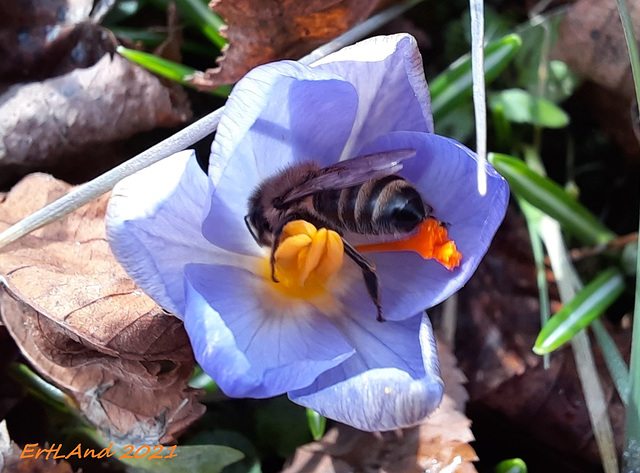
587,305
533,216
613,359
206,20
169,69
454,86
632,451
552,199
317,424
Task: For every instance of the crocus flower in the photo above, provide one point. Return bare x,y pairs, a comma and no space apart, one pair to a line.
181,234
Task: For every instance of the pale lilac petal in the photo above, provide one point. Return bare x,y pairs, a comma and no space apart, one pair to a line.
392,381
388,74
247,346
278,115
154,226
444,172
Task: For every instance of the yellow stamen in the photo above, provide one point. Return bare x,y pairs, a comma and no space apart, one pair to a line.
306,261
431,242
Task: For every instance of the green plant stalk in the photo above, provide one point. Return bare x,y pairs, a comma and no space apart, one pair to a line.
568,282
552,199
588,304
533,217
613,359
40,389
632,452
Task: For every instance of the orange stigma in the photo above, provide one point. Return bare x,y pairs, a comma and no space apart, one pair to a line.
431,242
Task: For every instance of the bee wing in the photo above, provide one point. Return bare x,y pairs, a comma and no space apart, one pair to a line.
352,172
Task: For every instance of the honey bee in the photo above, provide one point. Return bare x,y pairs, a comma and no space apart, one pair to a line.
362,195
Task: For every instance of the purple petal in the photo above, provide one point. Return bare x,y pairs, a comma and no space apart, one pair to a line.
278,114
392,381
444,171
388,74
154,226
249,347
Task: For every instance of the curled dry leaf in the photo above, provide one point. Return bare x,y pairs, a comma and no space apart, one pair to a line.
269,30
517,403
43,124
84,325
440,443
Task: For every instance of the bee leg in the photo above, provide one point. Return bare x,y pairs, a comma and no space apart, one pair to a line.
369,275
277,233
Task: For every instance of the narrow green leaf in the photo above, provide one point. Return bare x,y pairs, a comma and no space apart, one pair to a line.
551,199
454,86
169,69
578,313
513,465
520,106
317,424
206,20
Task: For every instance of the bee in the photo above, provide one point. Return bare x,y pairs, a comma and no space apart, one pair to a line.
362,195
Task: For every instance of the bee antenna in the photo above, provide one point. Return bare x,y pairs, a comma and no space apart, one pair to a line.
247,222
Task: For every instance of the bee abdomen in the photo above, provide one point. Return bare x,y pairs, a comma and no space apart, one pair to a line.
386,205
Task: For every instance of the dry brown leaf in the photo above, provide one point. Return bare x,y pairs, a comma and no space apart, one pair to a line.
45,38
36,52
591,41
269,30
83,324
44,123
441,441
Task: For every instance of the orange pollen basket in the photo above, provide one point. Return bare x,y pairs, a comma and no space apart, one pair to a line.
431,242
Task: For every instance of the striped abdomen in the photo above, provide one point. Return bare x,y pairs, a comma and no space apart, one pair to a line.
386,205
